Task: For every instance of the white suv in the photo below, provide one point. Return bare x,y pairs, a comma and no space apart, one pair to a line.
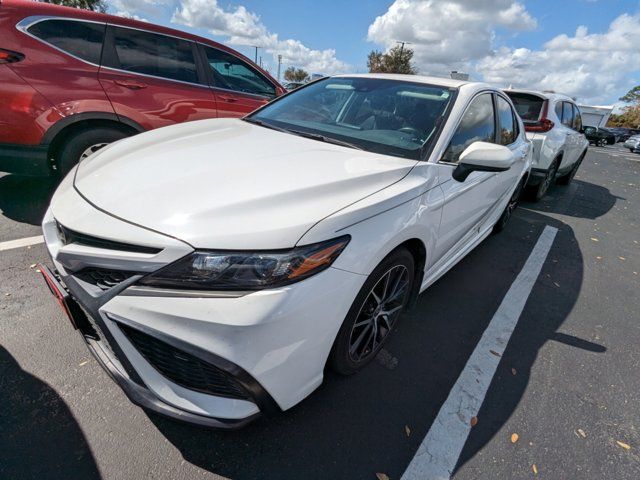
554,125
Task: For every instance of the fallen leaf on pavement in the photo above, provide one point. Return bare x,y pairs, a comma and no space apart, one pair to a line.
382,476
582,434
83,363
598,258
535,469
495,353
33,265
595,239
514,437
474,421
407,430
626,446
622,258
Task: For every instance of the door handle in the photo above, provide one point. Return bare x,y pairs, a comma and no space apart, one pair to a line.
225,98
130,84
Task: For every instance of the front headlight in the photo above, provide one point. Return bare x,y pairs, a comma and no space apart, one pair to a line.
225,270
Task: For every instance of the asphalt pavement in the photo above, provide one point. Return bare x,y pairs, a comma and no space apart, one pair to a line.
567,384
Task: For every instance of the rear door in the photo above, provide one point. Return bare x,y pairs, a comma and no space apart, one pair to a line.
153,79
573,138
509,136
239,88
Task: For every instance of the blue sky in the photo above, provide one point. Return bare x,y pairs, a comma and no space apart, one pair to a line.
586,48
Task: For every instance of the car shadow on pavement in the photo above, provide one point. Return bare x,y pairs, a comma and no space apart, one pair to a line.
25,199
39,436
588,200
353,427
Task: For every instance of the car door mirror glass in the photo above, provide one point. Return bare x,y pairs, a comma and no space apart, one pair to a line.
483,157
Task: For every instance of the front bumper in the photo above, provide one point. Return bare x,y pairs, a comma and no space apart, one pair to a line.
273,342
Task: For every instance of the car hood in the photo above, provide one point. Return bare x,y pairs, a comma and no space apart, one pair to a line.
228,184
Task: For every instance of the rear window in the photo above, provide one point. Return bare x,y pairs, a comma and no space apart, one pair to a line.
80,39
528,106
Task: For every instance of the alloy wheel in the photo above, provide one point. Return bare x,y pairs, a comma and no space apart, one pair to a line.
378,313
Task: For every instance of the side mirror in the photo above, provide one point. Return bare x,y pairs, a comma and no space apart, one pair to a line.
483,157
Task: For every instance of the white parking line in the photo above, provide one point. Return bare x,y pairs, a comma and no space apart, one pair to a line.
438,453
21,242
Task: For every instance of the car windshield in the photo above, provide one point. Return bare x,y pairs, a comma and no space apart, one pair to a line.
378,115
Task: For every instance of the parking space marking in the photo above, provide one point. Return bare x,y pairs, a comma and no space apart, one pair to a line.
440,450
21,242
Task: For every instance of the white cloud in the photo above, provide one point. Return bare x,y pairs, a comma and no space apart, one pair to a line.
595,67
130,8
244,27
448,34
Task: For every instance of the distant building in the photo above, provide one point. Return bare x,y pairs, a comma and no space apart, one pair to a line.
595,116
455,75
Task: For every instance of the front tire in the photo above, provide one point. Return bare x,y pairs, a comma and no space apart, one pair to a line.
566,179
374,313
536,193
80,145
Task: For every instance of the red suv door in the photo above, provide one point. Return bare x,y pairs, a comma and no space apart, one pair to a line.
238,86
152,78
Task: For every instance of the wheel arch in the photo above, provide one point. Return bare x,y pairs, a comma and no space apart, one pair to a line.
54,137
417,248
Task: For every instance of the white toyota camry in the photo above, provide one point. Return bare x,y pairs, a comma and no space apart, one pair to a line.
215,268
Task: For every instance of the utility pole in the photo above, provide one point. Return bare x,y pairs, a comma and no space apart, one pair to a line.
279,65
255,57
402,44
260,61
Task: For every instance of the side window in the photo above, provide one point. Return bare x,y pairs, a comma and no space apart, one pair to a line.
567,114
559,110
80,39
577,119
231,73
507,134
153,54
477,125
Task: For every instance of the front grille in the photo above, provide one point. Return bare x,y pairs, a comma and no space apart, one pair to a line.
68,236
103,278
183,368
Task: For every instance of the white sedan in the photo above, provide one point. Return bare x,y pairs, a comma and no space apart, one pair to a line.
216,267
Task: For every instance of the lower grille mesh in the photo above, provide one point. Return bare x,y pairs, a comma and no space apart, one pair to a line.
104,278
183,368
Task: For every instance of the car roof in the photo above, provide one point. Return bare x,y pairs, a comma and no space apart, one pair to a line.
542,94
29,7
440,81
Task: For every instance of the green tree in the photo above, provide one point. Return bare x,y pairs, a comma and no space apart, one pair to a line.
293,74
95,5
629,118
632,96
396,60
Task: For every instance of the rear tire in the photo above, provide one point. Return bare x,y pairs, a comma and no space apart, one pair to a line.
80,144
365,322
509,209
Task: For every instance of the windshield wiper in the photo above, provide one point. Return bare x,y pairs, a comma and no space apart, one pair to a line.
314,136
325,139
255,121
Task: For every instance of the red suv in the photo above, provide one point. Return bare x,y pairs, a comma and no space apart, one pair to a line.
72,81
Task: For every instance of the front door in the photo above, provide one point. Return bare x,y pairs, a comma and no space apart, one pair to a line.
152,78
466,204
239,88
